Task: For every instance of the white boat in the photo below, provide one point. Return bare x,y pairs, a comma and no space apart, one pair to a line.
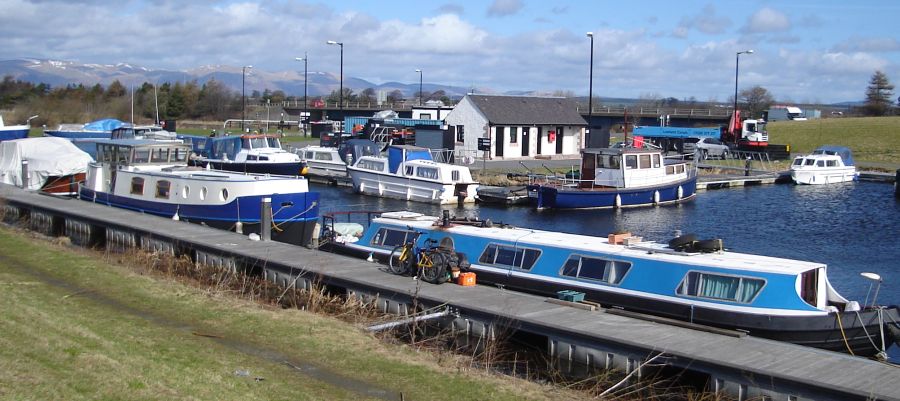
55,165
8,132
328,161
153,177
826,165
409,173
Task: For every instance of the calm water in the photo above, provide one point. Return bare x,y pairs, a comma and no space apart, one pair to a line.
852,227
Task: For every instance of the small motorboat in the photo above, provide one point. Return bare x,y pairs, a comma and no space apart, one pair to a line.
8,132
826,165
248,153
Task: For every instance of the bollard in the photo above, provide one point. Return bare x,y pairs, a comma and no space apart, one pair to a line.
24,174
265,220
747,166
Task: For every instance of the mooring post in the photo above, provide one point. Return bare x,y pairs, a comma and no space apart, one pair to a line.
265,220
24,174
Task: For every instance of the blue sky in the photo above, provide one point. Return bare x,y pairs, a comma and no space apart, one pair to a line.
804,51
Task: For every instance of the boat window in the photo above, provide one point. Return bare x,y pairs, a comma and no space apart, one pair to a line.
262,158
598,269
370,165
721,287
820,163
615,162
427,172
310,156
409,171
255,143
809,162
323,156
387,237
185,192
137,186
179,154
645,161
630,162
273,142
122,155
159,155
656,162
223,195
141,155
203,192
510,256
162,189
679,169
454,175
670,169
831,163
798,161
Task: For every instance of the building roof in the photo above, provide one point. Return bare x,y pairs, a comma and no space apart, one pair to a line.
528,110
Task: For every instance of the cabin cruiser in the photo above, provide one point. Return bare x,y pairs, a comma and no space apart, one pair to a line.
617,178
826,165
248,153
54,165
409,173
154,177
693,280
328,161
95,129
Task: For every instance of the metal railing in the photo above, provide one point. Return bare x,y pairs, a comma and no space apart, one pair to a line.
657,111
738,160
690,171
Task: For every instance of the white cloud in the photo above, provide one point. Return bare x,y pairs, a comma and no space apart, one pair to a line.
767,20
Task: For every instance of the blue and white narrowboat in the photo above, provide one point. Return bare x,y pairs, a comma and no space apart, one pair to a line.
153,177
250,153
410,173
618,178
694,281
10,132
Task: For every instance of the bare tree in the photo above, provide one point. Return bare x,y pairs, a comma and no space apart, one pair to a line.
756,99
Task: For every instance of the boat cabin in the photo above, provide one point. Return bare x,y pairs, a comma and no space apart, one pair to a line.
142,152
628,168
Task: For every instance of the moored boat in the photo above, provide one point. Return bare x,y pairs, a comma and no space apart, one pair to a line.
618,178
690,280
153,177
826,165
101,129
10,132
54,165
328,161
249,153
409,173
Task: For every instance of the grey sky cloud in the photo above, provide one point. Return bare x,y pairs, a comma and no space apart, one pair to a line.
503,8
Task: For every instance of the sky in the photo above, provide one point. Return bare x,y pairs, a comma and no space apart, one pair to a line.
805,51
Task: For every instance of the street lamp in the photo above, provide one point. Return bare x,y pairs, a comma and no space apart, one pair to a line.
243,101
341,94
737,60
420,86
590,91
304,59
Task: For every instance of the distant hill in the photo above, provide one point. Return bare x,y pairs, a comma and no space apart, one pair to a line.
61,73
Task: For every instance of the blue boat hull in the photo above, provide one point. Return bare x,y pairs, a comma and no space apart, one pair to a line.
553,197
10,134
79,134
287,168
294,215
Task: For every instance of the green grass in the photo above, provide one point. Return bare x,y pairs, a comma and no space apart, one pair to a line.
79,325
872,139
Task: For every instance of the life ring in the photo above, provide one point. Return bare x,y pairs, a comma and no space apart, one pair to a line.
684,241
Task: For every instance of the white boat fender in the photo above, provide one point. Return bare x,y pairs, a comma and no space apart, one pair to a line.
618,201
655,197
852,306
680,192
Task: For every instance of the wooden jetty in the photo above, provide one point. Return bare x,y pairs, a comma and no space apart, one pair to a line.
738,365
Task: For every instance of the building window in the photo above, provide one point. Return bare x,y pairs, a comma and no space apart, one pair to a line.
425,116
162,189
514,135
137,186
460,133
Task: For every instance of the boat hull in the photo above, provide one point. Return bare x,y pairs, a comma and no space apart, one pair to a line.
824,176
411,189
555,197
274,168
294,214
13,133
79,134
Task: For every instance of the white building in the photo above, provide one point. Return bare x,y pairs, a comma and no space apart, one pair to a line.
518,127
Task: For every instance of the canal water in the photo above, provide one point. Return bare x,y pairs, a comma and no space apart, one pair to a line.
851,227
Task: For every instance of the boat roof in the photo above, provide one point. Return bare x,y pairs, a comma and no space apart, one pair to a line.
587,243
618,151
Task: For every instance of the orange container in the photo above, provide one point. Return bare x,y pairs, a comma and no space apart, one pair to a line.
466,279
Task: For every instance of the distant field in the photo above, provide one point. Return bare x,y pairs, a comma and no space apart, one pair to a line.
872,139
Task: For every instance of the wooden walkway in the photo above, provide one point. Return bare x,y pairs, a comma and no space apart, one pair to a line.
741,365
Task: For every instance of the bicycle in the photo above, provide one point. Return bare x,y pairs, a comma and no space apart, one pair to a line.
430,262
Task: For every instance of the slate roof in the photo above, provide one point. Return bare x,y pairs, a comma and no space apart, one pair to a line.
528,110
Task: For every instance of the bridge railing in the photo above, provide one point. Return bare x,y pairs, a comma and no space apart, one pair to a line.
657,111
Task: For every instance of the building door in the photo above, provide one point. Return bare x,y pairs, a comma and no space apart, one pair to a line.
539,136
559,140
526,144
499,139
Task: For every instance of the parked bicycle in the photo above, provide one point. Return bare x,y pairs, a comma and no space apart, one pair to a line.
431,262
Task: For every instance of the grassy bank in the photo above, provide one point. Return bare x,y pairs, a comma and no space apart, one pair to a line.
80,325
872,139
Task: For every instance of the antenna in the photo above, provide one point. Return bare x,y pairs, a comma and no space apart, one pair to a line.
874,278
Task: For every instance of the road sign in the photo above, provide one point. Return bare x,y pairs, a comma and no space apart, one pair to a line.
484,144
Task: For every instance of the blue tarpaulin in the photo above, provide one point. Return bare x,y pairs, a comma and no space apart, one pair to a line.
400,153
106,124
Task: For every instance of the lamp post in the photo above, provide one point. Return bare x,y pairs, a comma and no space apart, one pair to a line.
737,60
341,94
304,59
590,91
243,99
420,86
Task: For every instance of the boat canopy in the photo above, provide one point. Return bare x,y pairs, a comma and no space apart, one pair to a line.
356,148
400,153
106,124
842,151
47,157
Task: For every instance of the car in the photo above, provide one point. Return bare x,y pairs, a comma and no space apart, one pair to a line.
706,148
